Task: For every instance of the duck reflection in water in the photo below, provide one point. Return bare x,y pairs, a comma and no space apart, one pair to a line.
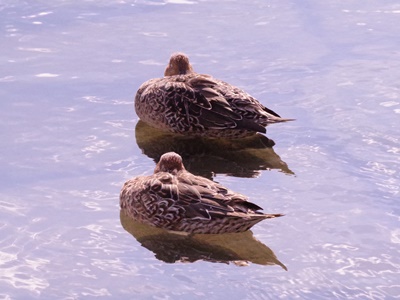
237,248
203,156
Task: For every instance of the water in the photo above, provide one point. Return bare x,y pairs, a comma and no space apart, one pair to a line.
70,138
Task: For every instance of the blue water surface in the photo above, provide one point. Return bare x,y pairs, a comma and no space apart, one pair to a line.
70,138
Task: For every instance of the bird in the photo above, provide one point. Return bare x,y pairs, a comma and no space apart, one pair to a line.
176,200
190,103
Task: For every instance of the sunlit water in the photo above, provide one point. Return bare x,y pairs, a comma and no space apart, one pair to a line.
70,138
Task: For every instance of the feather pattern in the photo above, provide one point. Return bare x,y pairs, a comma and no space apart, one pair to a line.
174,199
186,102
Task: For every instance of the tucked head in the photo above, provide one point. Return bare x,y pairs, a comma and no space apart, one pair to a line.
170,162
178,65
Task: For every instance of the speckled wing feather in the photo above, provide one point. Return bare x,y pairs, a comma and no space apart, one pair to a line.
212,199
152,199
220,114
245,104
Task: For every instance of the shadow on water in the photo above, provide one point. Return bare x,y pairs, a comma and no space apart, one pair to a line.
237,248
203,156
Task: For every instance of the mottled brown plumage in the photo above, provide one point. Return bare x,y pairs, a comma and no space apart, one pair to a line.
174,199
186,102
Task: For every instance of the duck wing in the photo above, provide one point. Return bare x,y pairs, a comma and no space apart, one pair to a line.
168,195
220,114
203,198
246,105
194,101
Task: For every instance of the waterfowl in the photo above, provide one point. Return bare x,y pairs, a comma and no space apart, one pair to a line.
186,102
174,199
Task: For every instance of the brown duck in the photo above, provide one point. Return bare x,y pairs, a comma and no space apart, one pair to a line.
186,102
174,199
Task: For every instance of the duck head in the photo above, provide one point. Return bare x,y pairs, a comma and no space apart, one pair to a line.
178,65
170,162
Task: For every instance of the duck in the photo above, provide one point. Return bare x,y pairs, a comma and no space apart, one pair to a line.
176,200
189,103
